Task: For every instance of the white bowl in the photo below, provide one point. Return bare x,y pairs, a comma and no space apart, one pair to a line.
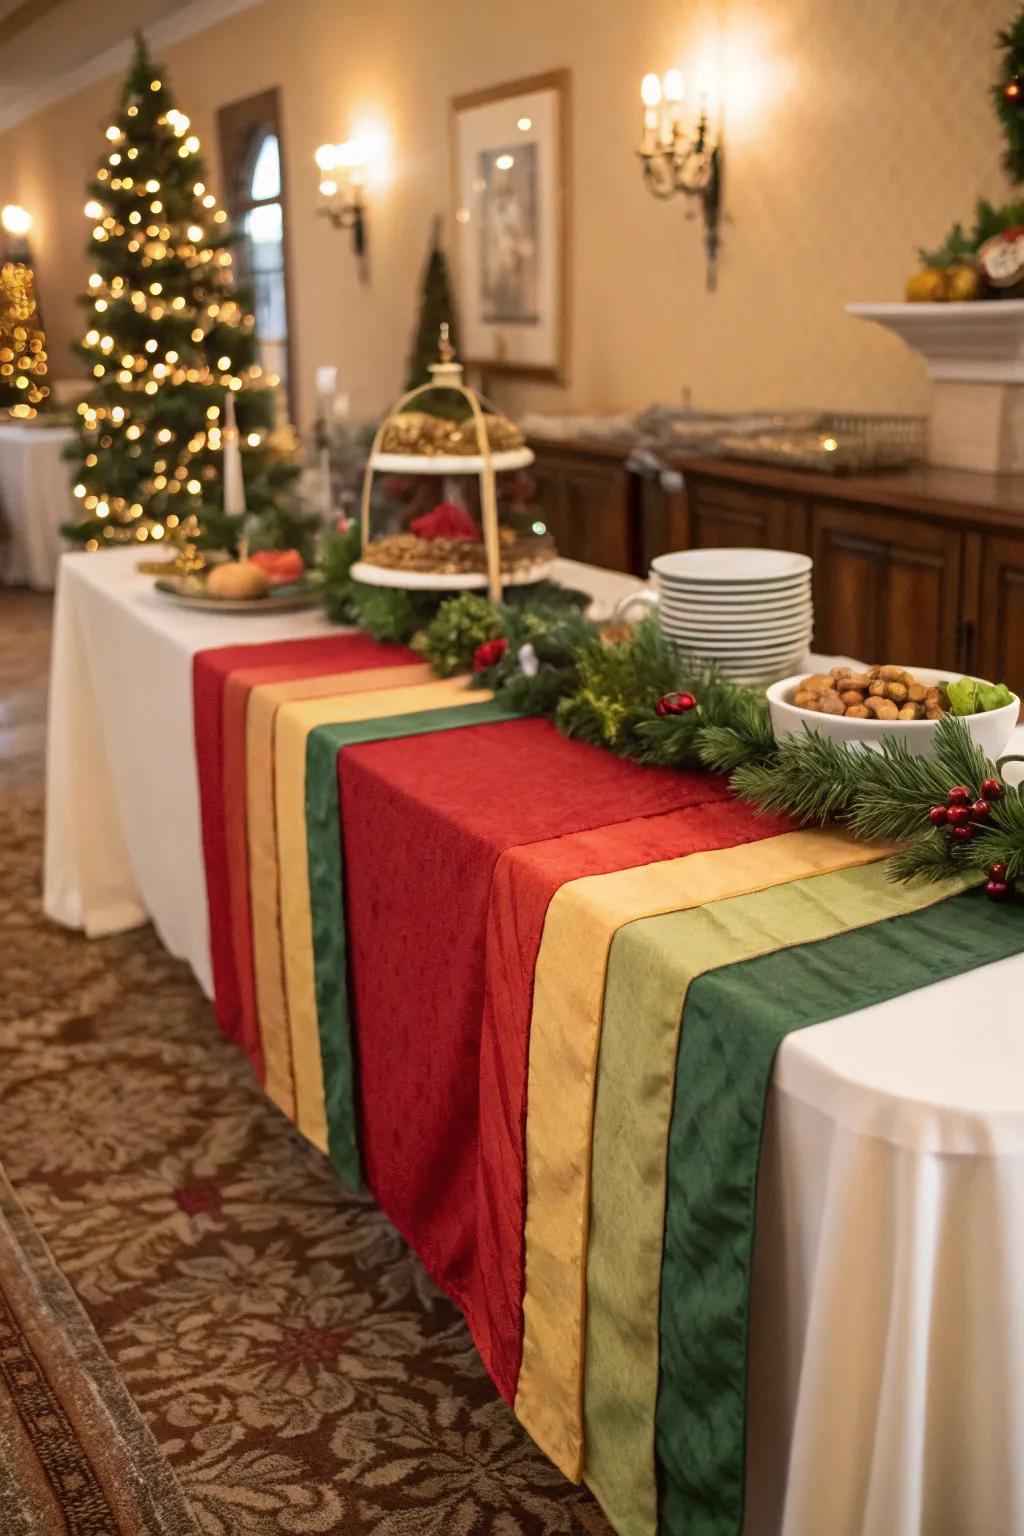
731,565
991,731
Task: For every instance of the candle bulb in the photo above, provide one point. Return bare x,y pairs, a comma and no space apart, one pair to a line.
672,88
233,479
650,93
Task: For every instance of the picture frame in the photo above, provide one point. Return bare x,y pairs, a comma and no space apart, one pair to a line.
510,178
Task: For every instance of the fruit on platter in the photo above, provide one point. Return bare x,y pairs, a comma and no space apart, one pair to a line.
957,283
282,567
238,578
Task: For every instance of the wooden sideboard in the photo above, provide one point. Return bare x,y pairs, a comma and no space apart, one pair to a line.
924,566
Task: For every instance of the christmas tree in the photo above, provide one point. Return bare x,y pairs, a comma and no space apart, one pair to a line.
22,344
437,306
168,336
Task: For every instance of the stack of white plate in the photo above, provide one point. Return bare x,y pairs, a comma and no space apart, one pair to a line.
749,611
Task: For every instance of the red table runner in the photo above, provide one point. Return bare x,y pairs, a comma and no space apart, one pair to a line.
442,949
220,762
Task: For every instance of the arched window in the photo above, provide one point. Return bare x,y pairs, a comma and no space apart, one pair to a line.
251,152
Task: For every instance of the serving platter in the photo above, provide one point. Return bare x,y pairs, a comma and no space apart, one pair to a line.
191,592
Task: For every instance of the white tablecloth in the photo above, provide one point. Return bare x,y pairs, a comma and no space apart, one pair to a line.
887,1356
35,499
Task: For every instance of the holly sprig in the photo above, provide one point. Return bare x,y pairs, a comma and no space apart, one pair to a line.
892,796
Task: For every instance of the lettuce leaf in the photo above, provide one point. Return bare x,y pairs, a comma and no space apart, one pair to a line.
967,696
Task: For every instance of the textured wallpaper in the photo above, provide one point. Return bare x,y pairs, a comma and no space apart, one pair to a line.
854,129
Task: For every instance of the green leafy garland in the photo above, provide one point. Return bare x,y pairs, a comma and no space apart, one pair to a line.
635,695
1008,96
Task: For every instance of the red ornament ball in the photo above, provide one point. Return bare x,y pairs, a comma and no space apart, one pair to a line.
958,815
938,815
964,833
980,810
997,871
675,704
998,890
992,789
959,795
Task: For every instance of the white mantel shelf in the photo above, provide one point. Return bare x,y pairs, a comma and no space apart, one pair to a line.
981,342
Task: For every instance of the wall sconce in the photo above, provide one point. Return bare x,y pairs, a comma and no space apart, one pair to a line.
342,178
674,159
17,222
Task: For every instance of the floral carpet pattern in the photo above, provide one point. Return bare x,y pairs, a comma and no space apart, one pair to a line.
296,1366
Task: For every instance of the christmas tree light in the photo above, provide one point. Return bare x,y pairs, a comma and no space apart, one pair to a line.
168,335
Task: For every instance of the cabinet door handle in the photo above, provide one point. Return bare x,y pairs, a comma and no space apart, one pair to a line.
964,644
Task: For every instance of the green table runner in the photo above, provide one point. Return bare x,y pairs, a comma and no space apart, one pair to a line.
327,899
734,1021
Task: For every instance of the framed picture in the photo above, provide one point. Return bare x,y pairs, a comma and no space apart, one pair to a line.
510,171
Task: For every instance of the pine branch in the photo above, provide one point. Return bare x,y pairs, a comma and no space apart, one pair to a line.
930,857
813,778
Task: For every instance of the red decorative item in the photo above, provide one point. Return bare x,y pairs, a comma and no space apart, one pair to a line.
980,810
958,815
282,566
675,704
938,815
992,789
998,890
964,833
959,795
489,654
997,871
446,521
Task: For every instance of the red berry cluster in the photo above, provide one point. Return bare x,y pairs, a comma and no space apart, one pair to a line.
962,815
962,812
675,704
998,887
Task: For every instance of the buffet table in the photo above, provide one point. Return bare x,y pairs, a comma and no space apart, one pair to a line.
35,499
458,949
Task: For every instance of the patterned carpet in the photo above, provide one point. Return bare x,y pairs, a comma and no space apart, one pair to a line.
297,1368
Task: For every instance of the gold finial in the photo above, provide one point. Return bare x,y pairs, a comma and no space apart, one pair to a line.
445,350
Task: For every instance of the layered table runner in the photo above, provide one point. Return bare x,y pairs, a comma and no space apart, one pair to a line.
532,993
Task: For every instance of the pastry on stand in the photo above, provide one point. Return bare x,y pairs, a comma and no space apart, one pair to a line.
456,540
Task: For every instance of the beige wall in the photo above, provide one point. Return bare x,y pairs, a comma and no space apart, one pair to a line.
855,130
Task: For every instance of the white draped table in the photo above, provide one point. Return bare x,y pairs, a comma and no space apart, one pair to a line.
887,1354
35,499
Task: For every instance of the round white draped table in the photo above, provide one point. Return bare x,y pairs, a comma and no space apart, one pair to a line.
887,1353
35,499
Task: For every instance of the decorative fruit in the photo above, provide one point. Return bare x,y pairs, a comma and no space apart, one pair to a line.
282,566
964,834
962,284
980,810
992,789
938,815
997,871
959,795
998,890
927,286
239,578
959,815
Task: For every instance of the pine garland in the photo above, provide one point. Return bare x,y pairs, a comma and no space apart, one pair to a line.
1008,96
541,655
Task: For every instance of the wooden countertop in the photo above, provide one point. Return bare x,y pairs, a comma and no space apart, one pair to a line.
944,495
993,500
